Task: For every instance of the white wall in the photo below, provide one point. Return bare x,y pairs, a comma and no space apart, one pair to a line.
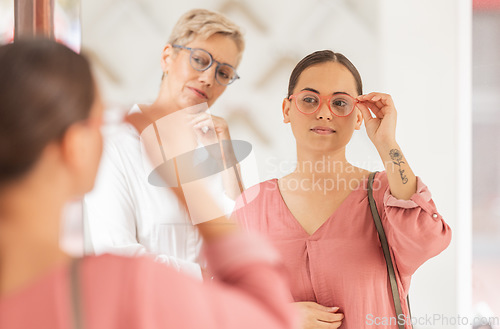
425,64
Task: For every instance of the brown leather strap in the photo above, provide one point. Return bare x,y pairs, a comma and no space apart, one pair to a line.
75,293
400,317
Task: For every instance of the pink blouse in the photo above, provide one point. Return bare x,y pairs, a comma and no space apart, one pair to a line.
342,263
249,291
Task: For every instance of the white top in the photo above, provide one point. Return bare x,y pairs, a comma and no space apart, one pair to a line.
126,215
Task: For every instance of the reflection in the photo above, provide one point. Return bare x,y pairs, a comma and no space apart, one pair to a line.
129,212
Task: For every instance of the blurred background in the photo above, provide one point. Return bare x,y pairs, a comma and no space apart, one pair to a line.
486,155
439,59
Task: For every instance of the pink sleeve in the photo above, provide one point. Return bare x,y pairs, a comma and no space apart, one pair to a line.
415,230
249,290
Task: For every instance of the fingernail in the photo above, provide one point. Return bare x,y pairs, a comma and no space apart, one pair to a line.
335,309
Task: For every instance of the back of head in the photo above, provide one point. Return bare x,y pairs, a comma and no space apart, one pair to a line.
204,23
44,88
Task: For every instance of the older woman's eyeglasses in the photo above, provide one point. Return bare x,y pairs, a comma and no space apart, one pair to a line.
202,60
308,102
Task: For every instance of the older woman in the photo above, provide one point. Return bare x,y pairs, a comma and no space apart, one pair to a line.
319,215
126,214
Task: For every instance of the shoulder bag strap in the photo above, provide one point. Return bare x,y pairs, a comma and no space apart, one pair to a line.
387,254
75,293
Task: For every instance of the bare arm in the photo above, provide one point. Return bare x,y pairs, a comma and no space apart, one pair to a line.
381,130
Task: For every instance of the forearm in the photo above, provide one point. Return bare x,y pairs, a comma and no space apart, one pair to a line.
250,267
402,180
231,177
205,204
232,183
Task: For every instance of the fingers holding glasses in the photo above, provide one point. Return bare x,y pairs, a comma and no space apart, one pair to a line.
380,104
381,129
365,111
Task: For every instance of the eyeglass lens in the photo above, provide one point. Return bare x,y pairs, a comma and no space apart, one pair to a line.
340,105
201,60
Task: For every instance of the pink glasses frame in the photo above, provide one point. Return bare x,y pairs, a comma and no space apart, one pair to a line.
321,100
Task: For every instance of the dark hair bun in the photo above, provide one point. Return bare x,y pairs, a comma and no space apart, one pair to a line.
45,87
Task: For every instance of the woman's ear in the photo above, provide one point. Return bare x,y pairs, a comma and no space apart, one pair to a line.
74,147
166,57
286,110
359,119
81,149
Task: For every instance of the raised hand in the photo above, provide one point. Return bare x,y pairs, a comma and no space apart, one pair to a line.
208,126
381,129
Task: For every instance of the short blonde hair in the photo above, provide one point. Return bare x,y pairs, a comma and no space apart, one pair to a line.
204,23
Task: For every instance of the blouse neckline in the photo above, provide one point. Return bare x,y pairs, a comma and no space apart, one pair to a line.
329,219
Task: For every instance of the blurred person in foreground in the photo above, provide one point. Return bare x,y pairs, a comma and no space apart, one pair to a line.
50,148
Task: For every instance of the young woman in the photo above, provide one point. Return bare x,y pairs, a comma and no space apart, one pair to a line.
319,217
50,146
128,215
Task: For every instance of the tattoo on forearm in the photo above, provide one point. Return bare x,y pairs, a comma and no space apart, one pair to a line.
397,159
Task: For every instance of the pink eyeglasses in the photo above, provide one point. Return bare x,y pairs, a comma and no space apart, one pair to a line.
309,102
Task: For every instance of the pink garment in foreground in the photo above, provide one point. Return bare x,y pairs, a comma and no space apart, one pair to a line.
342,263
118,292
